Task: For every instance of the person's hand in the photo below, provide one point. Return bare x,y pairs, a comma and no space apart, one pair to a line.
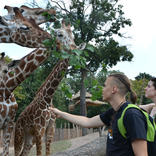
153,112
56,111
148,107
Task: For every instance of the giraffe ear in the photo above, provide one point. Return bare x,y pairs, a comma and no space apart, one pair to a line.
13,63
2,55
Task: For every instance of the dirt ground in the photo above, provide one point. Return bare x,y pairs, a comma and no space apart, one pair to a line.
79,141
75,142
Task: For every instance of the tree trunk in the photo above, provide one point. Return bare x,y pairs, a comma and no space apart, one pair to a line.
83,109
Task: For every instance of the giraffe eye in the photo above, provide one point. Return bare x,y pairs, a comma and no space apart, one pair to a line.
21,10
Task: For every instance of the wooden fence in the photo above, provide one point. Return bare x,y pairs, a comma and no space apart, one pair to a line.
67,132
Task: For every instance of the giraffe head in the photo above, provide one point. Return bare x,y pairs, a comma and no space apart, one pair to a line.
38,14
5,67
65,38
27,32
13,30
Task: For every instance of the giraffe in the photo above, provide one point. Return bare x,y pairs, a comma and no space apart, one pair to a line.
10,25
37,119
13,76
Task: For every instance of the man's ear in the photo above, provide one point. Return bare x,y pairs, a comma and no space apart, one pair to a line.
114,90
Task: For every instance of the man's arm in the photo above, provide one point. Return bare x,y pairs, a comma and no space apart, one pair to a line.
139,147
79,120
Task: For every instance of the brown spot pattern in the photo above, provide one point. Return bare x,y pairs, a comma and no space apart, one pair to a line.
10,83
40,58
30,57
3,113
22,65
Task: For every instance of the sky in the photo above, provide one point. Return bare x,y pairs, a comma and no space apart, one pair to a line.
142,33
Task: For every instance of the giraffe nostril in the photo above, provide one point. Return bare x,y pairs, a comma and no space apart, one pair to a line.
60,35
5,71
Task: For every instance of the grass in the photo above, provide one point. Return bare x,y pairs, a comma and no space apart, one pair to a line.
57,146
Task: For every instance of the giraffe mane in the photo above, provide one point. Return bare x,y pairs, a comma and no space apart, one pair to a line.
26,7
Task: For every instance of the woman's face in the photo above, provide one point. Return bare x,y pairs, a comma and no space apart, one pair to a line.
150,91
107,89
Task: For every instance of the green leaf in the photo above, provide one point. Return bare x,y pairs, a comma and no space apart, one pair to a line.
77,52
90,48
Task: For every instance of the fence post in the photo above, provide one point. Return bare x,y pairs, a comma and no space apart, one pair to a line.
69,131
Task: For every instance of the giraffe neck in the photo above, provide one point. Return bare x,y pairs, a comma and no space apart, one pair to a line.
23,37
25,67
29,39
46,91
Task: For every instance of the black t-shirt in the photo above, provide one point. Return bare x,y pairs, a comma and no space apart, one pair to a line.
136,128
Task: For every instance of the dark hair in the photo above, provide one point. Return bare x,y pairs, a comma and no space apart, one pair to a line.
153,79
124,85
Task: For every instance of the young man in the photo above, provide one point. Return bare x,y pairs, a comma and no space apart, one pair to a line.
134,140
150,92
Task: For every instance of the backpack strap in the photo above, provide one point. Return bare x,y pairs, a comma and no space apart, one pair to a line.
151,127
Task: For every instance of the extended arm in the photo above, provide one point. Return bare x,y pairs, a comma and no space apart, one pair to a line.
139,147
79,120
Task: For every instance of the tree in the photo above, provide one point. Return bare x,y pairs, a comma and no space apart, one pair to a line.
95,22
143,76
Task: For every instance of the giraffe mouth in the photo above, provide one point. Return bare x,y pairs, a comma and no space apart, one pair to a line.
5,71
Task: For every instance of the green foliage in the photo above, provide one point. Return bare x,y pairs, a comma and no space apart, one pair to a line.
138,86
143,76
96,90
48,16
67,90
95,23
18,93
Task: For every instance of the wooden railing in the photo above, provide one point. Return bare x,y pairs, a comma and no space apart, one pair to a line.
67,132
